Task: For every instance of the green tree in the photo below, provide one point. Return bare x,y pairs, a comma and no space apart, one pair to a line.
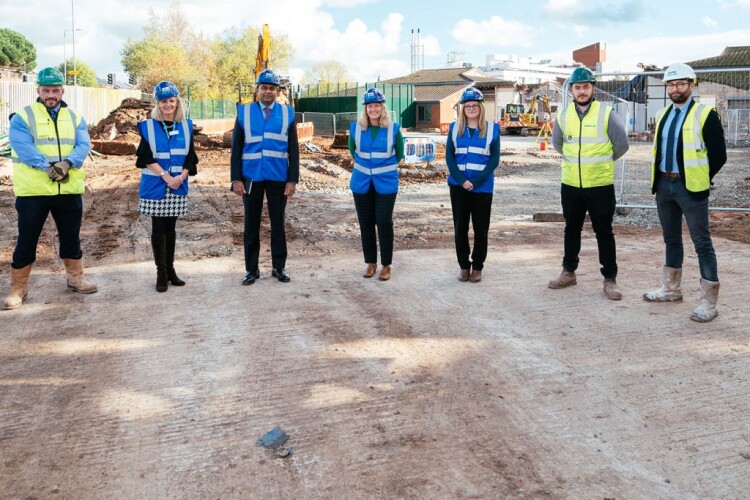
327,72
234,53
170,50
86,75
16,51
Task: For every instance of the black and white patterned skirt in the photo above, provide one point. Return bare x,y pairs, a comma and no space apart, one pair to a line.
171,206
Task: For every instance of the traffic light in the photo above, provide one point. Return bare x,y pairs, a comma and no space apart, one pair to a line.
110,78
131,79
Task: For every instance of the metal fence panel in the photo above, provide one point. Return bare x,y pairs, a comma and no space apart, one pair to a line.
93,104
323,123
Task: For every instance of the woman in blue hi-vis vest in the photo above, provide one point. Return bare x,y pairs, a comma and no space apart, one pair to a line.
472,153
166,156
377,146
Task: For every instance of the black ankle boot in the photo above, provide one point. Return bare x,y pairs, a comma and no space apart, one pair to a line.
173,278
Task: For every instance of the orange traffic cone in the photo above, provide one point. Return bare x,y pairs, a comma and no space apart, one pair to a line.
542,145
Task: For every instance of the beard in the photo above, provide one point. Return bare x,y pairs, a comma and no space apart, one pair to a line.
584,101
680,97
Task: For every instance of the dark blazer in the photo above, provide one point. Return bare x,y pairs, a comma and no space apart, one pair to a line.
713,137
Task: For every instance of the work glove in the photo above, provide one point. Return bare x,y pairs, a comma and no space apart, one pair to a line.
59,171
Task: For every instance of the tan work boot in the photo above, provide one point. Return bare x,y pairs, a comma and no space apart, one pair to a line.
385,273
611,290
463,276
566,278
669,291
19,287
76,279
476,276
706,310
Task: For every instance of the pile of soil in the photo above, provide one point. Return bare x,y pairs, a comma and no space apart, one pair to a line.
121,123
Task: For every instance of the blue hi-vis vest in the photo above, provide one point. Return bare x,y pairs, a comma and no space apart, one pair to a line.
473,154
265,154
374,159
169,153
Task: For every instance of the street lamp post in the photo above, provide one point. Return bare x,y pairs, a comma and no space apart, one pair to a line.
73,16
65,52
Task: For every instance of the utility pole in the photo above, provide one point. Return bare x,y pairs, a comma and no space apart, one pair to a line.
75,69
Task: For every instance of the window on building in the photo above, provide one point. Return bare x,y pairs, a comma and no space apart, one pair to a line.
424,113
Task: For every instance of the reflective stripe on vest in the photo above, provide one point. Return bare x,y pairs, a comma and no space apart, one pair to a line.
694,151
375,162
54,140
588,157
473,150
367,155
170,153
265,153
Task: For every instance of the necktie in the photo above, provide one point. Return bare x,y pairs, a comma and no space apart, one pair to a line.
268,112
52,114
670,159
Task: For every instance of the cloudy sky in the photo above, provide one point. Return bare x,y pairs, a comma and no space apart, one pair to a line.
373,37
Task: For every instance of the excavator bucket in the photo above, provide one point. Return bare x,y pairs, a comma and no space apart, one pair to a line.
341,140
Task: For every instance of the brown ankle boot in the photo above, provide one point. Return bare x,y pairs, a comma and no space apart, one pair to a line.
476,276
385,273
370,271
463,276
566,278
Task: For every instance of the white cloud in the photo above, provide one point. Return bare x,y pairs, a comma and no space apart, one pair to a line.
581,31
494,31
709,22
368,50
665,50
346,3
578,12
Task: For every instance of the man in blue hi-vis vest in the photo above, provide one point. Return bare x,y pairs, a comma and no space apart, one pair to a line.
265,160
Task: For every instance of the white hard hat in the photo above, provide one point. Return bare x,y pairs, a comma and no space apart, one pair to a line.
679,71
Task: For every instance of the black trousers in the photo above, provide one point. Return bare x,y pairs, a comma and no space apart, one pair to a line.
475,207
599,202
253,202
376,210
67,212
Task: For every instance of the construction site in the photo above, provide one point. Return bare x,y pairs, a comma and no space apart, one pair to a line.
417,387
335,386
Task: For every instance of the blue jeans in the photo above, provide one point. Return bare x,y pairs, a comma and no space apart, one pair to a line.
672,202
67,212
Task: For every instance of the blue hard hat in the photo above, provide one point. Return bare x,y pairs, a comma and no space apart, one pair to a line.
471,94
268,76
373,95
165,90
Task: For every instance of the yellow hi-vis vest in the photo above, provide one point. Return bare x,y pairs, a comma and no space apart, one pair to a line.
588,158
56,145
694,152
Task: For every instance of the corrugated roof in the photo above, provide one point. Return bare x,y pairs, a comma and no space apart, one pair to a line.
731,57
436,93
440,75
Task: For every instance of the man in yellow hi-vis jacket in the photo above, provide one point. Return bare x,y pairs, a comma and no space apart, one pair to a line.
590,137
689,149
49,143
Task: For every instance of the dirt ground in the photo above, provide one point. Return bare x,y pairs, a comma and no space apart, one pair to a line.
420,387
